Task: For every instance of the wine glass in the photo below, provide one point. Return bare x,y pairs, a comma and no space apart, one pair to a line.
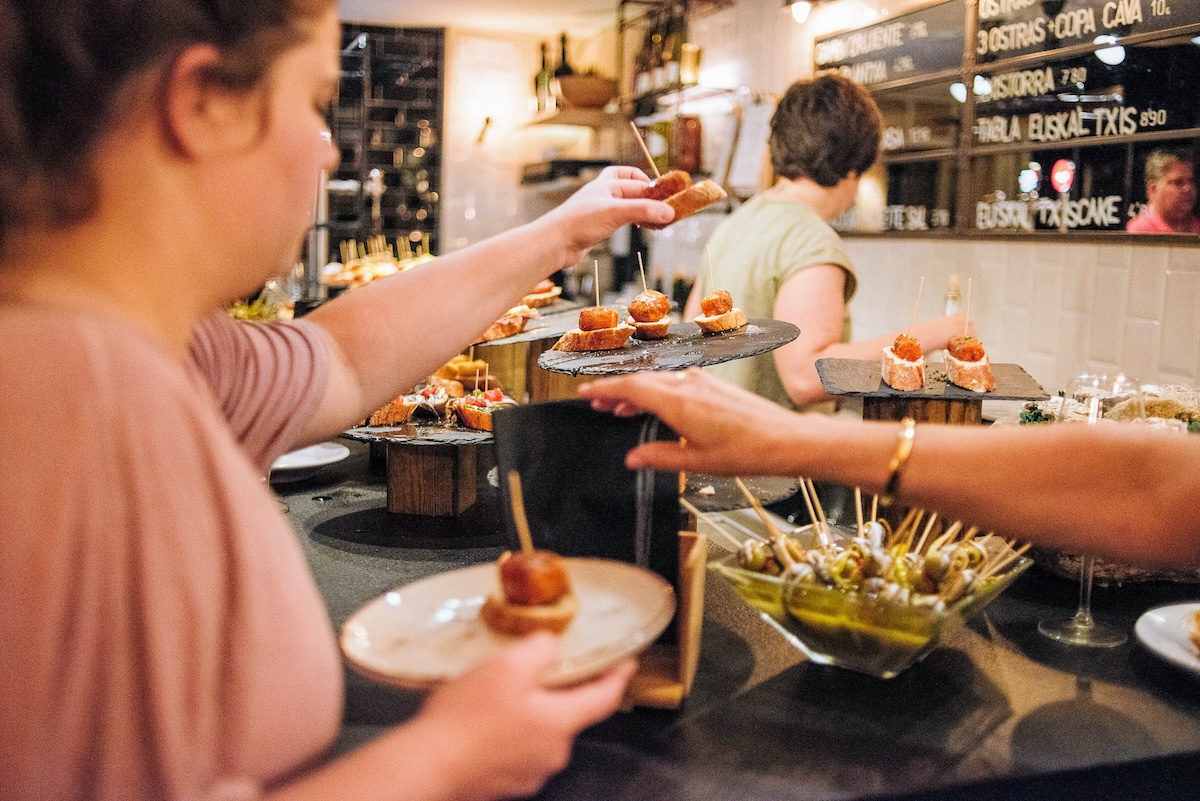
1089,398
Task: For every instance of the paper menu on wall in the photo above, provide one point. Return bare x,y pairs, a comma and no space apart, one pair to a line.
750,151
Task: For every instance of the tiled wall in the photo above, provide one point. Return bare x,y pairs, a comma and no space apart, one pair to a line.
1054,308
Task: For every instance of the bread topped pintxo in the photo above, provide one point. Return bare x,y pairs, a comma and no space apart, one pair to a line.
543,294
967,365
903,364
688,201
718,314
599,328
649,314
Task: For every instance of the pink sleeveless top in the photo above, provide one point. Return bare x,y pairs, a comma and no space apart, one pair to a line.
161,635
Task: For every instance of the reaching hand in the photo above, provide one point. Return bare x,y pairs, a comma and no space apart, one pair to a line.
503,731
615,198
725,429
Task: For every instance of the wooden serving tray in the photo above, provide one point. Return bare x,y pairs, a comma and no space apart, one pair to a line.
683,346
430,467
938,401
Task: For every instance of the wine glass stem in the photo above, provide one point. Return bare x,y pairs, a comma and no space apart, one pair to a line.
1083,616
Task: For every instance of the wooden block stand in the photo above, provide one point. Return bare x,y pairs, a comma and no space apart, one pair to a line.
432,480
924,410
666,671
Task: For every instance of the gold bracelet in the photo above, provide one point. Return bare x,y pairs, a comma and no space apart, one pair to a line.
904,445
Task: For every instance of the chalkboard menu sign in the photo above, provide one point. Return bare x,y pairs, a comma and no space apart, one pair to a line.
922,42
1053,116
1084,99
1008,28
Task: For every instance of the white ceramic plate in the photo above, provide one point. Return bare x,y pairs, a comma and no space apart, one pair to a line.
305,462
425,632
1165,632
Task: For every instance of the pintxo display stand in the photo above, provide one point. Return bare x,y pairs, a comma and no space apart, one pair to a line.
684,346
513,360
430,468
938,401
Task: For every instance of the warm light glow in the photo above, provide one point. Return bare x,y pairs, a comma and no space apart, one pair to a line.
1111,56
800,11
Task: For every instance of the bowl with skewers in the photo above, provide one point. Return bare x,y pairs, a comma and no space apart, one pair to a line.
866,597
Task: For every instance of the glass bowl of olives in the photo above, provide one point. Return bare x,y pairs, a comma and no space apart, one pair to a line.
865,599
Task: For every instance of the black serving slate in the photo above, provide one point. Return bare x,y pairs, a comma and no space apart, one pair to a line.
579,498
726,496
861,378
683,346
420,434
556,320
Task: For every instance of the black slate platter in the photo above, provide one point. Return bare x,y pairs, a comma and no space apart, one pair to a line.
683,346
726,496
556,320
864,379
420,434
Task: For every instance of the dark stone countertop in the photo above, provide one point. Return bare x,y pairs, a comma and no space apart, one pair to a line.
996,712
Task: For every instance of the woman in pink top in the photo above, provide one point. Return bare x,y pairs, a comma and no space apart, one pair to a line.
161,635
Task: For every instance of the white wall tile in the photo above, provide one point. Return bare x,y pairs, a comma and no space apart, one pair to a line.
1181,324
1147,283
1140,355
1110,289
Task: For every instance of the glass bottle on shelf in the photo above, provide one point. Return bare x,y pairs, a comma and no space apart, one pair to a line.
656,64
544,96
641,65
953,294
672,45
564,65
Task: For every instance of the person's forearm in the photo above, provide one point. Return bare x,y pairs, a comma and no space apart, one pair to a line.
393,332
399,765
1113,491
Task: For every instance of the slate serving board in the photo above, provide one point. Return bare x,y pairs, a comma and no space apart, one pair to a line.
556,320
726,495
420,434
683,346
861,378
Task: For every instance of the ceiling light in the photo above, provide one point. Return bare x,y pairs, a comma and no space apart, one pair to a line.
958,90
800,9
1112,56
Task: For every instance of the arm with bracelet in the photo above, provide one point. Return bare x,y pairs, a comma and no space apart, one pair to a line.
1124,492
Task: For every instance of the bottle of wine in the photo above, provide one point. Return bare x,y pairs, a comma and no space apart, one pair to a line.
541,83
953,294
656,65
672,44
641,66
564,65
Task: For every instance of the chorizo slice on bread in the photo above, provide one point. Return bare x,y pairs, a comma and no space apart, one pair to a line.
597,339
690,201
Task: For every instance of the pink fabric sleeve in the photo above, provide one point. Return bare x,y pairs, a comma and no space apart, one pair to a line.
162,636
268,379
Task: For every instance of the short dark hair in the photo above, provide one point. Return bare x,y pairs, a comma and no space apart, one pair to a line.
64,64
824,129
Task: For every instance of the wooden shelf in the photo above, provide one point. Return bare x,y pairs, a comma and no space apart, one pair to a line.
582,117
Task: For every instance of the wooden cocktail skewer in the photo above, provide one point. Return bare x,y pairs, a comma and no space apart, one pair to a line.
990,570
916,306
967,321
596,278
642,270
925,533
638,136
712,284
518,508
712,522
777,536
816,499
858,515
874,507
